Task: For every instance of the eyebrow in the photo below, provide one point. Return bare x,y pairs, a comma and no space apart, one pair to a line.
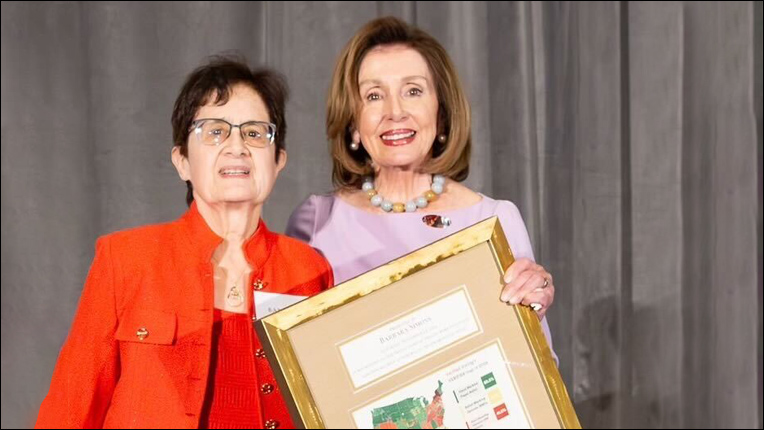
378,82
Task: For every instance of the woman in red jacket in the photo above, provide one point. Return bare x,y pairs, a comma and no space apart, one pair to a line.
163,333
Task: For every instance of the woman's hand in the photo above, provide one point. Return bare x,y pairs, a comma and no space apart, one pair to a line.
529,284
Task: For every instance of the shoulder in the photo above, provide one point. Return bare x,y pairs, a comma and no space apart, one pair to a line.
300,260
309,214
506,209
309,207
146,250
513,225
140,240
507,212
295,249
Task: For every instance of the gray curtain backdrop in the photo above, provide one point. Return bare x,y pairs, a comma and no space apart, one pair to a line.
629,135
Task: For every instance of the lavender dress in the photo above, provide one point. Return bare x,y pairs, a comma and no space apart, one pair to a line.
356,241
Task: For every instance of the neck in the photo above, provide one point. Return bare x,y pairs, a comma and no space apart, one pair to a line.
234,222
401,185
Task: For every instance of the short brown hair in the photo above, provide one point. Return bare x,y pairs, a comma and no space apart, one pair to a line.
450,159
213,81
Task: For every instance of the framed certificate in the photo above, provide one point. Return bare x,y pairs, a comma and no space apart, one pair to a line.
421,342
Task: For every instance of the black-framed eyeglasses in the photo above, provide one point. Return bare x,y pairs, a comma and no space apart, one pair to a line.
215,131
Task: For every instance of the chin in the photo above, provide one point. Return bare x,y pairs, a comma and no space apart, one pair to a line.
238,197
402,157
399,162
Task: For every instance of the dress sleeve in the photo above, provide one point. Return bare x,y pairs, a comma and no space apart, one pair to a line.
87,369
520,243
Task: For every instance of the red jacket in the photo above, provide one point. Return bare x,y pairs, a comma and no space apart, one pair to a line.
138,353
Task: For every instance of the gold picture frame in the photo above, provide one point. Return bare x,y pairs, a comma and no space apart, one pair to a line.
429,323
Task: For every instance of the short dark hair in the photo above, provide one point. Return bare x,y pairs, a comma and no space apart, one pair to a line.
213,81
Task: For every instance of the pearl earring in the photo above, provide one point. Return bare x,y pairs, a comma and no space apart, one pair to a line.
354,145
442,138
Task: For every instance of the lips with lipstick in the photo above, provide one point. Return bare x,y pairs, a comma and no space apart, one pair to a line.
398,137
234,171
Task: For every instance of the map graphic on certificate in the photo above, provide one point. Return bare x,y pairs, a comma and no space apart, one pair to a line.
412,413
474,392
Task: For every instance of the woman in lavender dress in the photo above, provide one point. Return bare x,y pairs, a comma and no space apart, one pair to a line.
399,128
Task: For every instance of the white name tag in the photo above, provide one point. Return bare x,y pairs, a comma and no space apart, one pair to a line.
268,303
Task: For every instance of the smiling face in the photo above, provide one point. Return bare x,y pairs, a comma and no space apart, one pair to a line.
397,121
231,172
